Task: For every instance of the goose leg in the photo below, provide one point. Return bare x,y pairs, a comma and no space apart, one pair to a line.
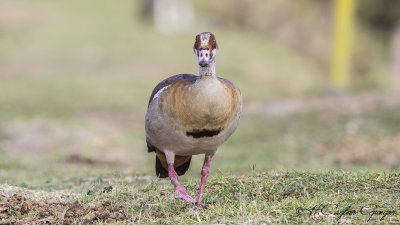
204,175
180,191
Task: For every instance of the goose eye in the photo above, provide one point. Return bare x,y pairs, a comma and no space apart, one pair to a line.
214,43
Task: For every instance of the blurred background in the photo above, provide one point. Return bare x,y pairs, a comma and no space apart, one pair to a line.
320,81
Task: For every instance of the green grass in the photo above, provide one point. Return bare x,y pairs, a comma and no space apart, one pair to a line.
284,197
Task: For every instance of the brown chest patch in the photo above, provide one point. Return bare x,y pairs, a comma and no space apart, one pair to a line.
197,113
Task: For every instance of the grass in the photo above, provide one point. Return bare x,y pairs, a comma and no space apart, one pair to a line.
284,197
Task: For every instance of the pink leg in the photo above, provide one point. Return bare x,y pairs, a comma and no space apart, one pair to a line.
204,175
180,191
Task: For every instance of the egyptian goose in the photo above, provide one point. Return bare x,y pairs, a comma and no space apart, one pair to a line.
190,115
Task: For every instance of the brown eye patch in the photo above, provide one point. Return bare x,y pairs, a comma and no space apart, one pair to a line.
197,42
212,42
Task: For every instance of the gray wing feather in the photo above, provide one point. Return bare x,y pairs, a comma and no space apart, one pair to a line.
169,81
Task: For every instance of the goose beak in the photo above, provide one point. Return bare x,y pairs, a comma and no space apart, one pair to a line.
204,63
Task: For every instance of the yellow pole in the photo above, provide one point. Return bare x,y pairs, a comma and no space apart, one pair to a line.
342,42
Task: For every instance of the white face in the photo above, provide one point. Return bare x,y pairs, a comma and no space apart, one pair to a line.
204,57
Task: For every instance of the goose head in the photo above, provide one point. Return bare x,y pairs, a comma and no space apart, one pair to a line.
205,48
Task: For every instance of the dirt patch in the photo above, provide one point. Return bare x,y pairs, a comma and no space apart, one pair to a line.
102,211
20,210
357,150
81,160
17,209
95,141
43,136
